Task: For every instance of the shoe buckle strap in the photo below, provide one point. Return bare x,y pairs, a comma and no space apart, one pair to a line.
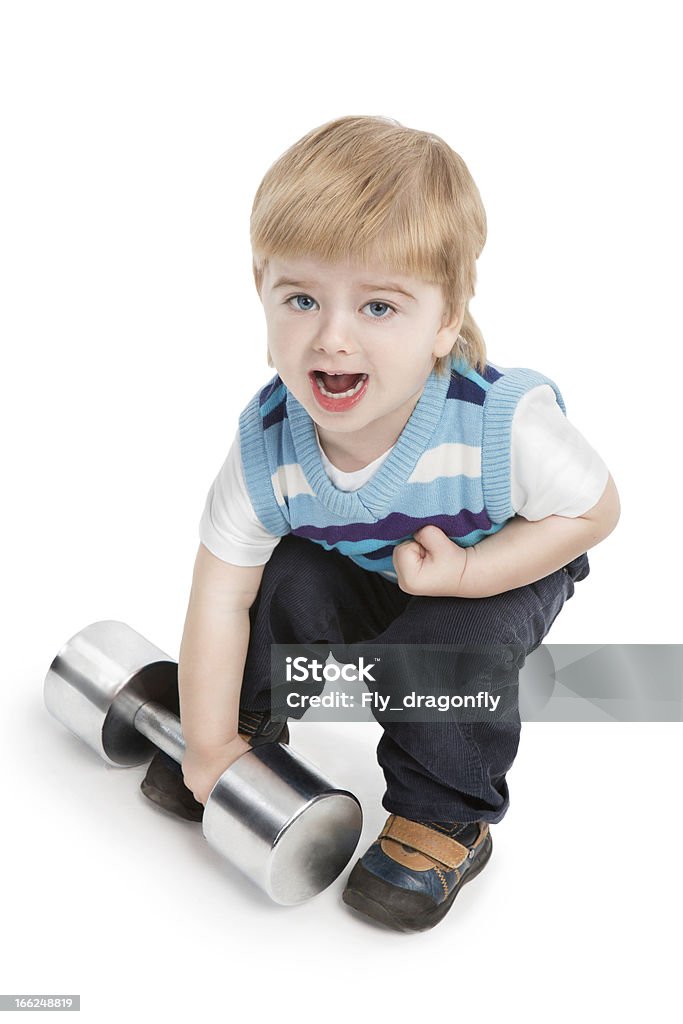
425,840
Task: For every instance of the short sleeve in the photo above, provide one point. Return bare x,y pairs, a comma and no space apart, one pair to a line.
554,471
229,526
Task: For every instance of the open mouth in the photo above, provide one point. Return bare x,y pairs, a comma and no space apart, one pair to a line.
339,385
338,392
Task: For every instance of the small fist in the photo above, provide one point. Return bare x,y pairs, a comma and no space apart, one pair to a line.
202,768
431,565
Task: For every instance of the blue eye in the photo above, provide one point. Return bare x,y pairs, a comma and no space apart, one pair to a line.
385,305
386,310
306,298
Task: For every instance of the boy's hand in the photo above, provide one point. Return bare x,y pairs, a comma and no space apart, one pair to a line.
432,565
203,767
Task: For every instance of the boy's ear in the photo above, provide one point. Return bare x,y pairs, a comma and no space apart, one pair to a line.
447,334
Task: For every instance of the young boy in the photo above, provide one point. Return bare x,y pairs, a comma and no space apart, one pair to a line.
387,485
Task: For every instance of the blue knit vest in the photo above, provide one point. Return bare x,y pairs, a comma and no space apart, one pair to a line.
450,467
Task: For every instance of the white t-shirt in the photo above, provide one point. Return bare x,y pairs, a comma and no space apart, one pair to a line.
554,471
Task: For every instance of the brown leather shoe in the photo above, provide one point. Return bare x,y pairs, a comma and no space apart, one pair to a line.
165,786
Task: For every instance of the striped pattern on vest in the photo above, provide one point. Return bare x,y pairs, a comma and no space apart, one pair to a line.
450,467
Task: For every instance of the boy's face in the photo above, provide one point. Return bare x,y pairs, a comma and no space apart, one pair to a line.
347,319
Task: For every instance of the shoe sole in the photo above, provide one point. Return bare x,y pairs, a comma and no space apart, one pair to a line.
364,903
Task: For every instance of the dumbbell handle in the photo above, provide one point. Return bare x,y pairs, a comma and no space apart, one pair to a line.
162,727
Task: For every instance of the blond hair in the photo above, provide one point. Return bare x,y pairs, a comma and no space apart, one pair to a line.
369,190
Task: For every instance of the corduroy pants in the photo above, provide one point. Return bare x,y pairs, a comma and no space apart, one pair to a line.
442,770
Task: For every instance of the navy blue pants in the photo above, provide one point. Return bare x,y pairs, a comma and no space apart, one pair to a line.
444,770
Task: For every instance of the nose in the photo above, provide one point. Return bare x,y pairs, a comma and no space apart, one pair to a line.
334,337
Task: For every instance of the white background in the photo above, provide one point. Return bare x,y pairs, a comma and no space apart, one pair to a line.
134,136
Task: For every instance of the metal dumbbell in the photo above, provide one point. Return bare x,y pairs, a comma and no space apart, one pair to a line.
271,813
